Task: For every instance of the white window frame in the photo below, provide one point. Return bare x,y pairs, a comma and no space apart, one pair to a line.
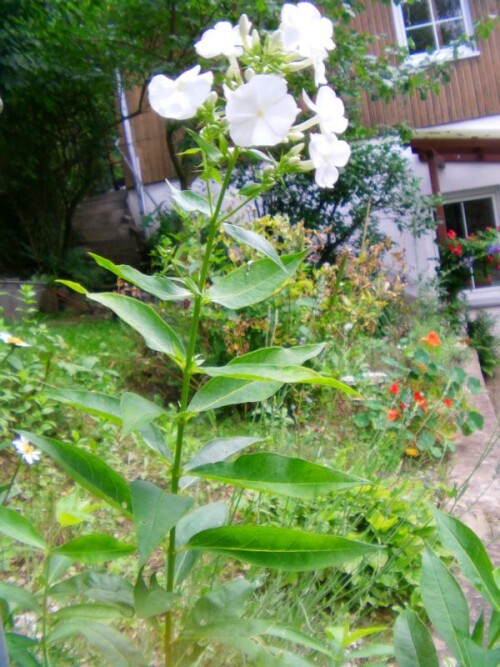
443,54
480,297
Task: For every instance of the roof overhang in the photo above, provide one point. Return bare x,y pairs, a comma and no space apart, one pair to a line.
477,145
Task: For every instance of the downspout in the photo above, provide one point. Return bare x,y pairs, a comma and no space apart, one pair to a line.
133,161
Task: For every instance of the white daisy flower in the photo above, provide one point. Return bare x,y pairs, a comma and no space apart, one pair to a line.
180,98
26,450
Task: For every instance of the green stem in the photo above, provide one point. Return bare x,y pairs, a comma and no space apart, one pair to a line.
186,382
11,483
45,649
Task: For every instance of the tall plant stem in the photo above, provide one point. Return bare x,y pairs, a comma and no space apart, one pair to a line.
186,382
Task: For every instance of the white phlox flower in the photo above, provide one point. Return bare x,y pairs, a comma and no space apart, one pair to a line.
261,112
327,153
306,32
221,40
26,450
180,98
329,110
9,339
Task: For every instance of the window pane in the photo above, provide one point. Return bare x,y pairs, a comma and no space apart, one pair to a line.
453,219
451,31
479,214
422,38
447,9
416,13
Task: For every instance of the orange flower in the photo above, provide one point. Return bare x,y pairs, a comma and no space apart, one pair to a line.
412,451
448,402
432,339
394,389
393,414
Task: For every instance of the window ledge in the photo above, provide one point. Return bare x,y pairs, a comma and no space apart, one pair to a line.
483,297
443,55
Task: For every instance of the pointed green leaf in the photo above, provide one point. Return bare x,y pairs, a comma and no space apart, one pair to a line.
137,412
281,356
153,601
116,649
413,644
88,612
222,603
444,603
87,470
19,649
157,334
166,289
283,374
283,475
212,153
279,548
20,597
92,402
253,283
494,628
470,554
478,656
155,513
300,638
255,241
220,392
93,549
18,528
110,589
190,201
76,287
216,450
212,515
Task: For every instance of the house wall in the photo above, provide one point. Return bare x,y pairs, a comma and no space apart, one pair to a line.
474,87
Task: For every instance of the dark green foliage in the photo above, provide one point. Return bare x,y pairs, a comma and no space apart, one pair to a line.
484,341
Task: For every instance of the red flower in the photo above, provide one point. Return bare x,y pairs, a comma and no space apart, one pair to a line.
456,250
451,234
393,414
394,389
448,402
420,401
432,339
402,406
490,259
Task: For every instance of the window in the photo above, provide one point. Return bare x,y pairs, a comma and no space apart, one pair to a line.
433,27
466,218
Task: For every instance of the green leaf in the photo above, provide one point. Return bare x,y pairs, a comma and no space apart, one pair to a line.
92,402
413,644
114,647
212,515
222,603
282,374
255,241
18,647
137,412
155,513
281,356
94,549
216,450
87,470
20,597
110,589
283,475
157,334
470,553
279,548
212,153
190,201
444,603
300,638
76,287
220,392
153,601
20,529
88,612
494,628
254,282
166,289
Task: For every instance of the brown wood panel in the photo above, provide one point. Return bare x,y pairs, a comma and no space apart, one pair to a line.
473,91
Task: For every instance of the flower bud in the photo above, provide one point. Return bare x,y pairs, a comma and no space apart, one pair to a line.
294,160
255,39
276,40
306,165
297,150
245,26
298,65
212,98
249,74
296,136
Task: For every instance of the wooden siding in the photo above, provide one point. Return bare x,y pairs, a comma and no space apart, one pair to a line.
472,92
148,130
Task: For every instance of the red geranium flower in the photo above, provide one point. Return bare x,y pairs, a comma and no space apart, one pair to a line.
393,414
420,401
456,250
394,389
490,259
448,402
451,234
432,339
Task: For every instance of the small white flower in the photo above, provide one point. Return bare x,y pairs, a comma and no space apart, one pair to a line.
327,153
221,40
306,32
9,339
24,447
180,98
261,112
329,110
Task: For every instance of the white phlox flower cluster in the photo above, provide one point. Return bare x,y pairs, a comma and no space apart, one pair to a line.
256,109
